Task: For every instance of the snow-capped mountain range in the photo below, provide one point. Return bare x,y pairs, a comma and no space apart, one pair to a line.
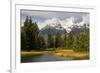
67,24
55,30
56,26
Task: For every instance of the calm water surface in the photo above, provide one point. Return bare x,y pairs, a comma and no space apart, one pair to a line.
43,58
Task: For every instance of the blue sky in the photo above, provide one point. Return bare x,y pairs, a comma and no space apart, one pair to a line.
41,17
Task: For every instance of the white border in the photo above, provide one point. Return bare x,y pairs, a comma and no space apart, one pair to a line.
16,66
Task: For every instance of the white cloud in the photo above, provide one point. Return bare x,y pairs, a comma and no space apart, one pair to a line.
86,19
68,23
22,22
66,19
41,24
52,22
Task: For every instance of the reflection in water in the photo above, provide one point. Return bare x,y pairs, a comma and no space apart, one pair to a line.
43,58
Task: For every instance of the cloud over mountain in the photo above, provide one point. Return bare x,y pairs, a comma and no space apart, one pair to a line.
67,24
66,19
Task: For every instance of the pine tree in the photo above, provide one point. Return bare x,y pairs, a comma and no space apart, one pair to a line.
36,35
69,40
42,43
58,41
26,21
81,42
31,35
65,40
50,41
23,39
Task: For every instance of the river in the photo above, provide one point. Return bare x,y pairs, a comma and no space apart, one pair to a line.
43,58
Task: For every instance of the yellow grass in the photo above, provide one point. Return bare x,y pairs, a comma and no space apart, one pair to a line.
32,53
71,53
61,53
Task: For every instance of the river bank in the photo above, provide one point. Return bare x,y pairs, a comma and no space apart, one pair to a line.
45,55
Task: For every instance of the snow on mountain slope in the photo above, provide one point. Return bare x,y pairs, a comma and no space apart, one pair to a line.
68,24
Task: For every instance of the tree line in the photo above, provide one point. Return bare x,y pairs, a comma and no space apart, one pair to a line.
32,40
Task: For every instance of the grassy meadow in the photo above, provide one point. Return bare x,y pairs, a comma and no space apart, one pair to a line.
65,53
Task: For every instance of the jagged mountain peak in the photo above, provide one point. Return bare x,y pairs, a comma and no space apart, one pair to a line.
55,26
